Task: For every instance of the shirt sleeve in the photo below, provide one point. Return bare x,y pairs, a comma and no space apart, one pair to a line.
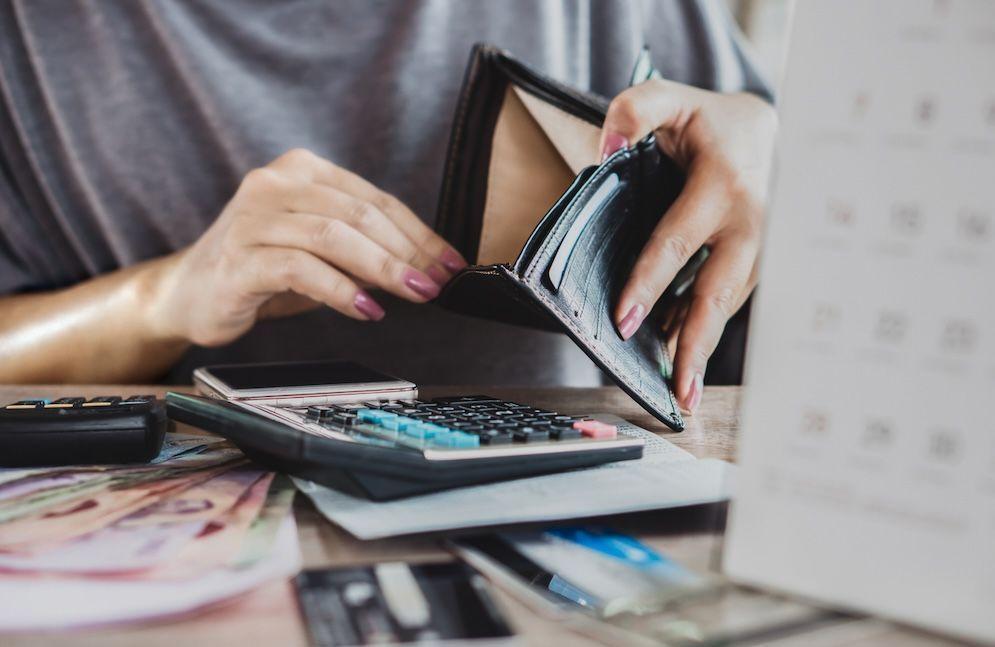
14,273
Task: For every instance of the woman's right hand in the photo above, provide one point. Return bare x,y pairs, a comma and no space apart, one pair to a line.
298,226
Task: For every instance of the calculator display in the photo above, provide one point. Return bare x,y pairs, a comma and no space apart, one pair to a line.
297,374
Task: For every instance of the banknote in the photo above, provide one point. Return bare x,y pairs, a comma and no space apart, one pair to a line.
173,445
144,538
222,538
262,533
81,516
206,501
56,488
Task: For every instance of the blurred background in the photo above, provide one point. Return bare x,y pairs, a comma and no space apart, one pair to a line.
765,23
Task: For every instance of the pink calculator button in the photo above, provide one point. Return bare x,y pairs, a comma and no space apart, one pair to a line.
595,429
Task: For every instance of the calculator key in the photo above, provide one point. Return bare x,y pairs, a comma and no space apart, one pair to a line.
65,403
138,399
466,399
530,434
26,404
102,401
458,440
393,424
344,419
564,432
595,429
411,403
494,437
321,412
347,408
370,415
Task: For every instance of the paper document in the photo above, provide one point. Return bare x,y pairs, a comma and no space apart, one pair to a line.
666,477
867,462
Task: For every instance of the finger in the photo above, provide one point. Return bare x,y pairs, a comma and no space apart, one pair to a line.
275,270
344,247
637,111
312,168
367,218
720,289
689,222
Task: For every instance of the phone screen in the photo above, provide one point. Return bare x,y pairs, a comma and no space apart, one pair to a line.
295,374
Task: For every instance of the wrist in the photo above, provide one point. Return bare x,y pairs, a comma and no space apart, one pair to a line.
155,294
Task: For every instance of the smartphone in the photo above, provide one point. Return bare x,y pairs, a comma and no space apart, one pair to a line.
301,383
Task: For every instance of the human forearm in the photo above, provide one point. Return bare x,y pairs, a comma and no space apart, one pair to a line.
101,331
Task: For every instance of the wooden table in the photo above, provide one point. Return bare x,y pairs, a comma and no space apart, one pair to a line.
269,616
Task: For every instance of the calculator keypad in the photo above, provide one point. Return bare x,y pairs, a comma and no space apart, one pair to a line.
462,422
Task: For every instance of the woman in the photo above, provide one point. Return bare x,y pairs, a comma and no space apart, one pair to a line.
177,176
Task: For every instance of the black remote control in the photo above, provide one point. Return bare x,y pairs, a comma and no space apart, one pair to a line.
77,431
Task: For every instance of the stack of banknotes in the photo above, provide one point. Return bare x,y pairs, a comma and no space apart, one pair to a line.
90,545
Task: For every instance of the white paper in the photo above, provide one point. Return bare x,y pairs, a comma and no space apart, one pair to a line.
868,453
43,602
666,477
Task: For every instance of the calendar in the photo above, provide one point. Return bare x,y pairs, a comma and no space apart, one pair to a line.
867,455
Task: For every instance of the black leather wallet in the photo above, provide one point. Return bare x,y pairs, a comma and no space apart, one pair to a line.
522,142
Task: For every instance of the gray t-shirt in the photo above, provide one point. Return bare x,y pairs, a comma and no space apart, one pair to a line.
125,126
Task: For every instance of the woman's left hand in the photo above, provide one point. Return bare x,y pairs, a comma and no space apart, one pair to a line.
724,143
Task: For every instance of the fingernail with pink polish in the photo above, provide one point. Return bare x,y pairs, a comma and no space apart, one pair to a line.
613,142
695,391
421,283
630,323
437,274
452,261
365,304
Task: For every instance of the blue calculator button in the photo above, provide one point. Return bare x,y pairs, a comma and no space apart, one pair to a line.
432,430
369,415
465,441
456,439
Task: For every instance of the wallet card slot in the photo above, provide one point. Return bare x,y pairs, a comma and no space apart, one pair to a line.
601,198
549,220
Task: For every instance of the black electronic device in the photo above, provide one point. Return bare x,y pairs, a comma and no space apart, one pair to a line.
393,603
386,449
80,431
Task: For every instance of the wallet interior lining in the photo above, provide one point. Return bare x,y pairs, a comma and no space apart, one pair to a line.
536,151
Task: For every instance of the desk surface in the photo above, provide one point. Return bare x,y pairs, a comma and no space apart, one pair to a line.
269,615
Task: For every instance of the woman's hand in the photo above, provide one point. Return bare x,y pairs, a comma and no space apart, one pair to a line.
298,227
724,142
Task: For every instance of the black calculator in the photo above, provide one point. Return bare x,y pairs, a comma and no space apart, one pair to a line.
350,427
392,448
81,431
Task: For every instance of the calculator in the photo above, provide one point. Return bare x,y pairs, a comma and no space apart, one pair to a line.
349,427
81,431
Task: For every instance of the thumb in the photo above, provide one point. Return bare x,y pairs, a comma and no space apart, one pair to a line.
637,111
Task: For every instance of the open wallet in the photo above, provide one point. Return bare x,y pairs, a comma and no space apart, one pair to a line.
550,233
